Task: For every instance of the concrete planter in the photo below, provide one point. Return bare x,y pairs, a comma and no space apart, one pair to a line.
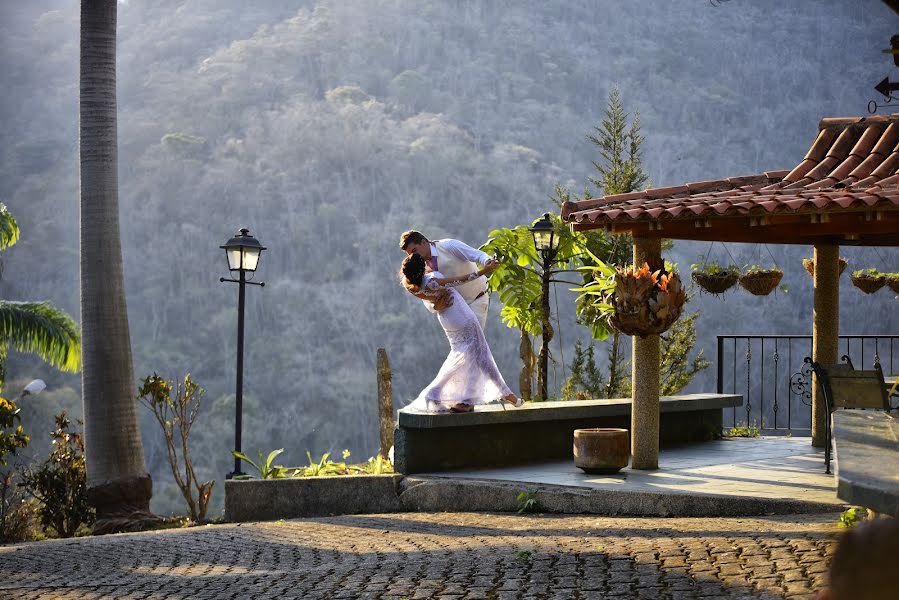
270,499
601,450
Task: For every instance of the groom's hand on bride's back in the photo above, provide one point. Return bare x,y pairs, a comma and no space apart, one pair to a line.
443,300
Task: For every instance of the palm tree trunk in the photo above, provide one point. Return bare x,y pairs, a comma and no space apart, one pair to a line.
526,353
118,483
613,365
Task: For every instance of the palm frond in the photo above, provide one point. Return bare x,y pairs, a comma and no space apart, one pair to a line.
9,229
40,328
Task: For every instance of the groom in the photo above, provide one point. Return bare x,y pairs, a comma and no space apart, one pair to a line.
452,258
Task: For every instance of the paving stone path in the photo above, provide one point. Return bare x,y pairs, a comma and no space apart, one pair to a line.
448,555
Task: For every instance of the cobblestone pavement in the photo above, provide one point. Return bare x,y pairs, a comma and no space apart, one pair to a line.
448,555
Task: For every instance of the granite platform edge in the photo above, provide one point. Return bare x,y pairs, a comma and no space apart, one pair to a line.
562,411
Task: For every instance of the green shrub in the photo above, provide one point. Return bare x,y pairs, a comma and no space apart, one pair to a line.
59,484
850,517
176,415
265,467
746,431
12,436
527,502
16,512
377,465
323,467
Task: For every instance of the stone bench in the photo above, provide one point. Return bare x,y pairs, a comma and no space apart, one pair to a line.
538,431
866,454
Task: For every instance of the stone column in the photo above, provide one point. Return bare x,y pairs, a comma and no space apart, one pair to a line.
826,327
645,376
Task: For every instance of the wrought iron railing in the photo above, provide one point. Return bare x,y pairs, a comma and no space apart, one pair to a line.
768,370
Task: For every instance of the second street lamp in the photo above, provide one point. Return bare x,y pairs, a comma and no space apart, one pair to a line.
546,242
243,251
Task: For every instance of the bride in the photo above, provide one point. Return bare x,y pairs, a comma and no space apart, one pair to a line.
469,374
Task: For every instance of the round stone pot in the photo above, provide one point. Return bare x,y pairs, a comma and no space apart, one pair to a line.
601,450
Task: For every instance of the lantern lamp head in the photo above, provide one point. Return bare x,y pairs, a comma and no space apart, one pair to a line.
545,238
243,252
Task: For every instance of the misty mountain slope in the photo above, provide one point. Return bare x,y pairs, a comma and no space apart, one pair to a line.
327,128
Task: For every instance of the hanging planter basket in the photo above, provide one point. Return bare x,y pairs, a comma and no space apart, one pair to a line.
761,282
716,283
646,302
869,281
809,264
893,281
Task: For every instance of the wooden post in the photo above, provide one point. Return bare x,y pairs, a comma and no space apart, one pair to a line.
385,402
645,376
826,328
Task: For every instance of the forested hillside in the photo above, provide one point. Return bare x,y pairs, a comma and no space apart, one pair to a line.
328,127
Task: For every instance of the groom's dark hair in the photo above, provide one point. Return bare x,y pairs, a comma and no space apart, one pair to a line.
411,237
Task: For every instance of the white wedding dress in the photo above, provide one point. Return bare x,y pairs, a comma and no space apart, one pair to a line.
469,374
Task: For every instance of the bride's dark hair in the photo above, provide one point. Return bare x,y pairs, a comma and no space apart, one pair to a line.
413,272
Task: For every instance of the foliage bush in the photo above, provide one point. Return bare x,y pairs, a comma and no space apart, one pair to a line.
265,467
176,416
519,283
12,435
59,484
585,381
852,516
323,467
16,512
527,502
676,368
746,431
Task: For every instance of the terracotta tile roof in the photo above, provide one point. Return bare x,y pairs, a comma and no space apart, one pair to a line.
853,165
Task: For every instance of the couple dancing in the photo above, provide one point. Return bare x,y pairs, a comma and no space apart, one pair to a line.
445,276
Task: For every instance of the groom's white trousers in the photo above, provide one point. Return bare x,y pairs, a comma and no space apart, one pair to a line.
479,307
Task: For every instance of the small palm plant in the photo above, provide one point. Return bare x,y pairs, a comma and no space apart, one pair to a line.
35,327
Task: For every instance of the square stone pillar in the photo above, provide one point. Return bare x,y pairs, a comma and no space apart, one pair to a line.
645,375
826,328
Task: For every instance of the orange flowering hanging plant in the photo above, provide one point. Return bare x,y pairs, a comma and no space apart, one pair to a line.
646,302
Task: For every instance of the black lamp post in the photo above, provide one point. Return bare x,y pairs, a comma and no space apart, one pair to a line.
546,241
243,252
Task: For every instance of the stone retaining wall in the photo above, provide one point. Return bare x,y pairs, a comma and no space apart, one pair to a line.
269,499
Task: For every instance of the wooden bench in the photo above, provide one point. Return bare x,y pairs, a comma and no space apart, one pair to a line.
539,431
866,457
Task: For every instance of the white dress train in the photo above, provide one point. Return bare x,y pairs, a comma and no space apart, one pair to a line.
469,374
